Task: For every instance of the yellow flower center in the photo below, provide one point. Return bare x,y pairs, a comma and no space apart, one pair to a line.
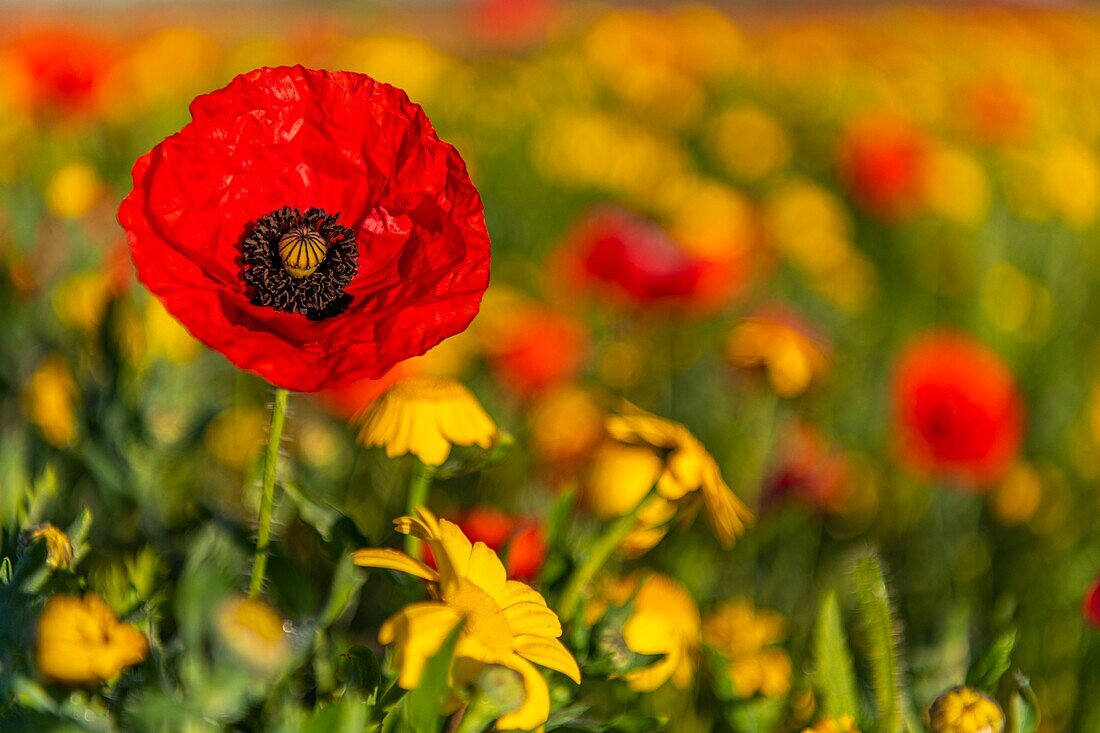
302,251
967,711
486,623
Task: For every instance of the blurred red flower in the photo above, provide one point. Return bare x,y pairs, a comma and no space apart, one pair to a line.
1090,606
535,348
61,70
956,408
636,263
311,226
995,110
521,540
810,470
882,164
510,23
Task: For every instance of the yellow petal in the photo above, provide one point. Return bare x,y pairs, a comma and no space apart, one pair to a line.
390,559
536,698
517,592
533,618
418,630
486,570
549,653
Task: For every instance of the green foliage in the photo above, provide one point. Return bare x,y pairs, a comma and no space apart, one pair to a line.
881,638
834,672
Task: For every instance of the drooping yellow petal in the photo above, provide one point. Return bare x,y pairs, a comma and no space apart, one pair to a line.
455,546
549,653
389,559
419,630
536,698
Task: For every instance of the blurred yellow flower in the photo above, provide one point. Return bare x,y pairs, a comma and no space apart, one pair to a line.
405,61
48,401
1070,177
955,186
745,638
253,631
234,436
710,45
843,724
1014,302
80,300
166,65
687,469
73,190
425,416
59,549
780,347
965,710
664,620
81,641
608,153
507,623
1018,496
709,219
637,57
809,225
748,143
565,423
619,476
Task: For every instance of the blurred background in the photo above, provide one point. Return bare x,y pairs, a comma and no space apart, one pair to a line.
734,215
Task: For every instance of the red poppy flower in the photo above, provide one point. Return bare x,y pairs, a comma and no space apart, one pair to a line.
521,540
632,260
61,70
1090,606
311,226
882,163
956,408
537,349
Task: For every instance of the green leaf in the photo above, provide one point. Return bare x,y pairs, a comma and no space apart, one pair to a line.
421,705
986,671
834,674
349,714
321,517
346,583
361,669
881,637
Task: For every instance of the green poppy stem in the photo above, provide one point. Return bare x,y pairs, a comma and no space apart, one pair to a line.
419,486
267,497
597,557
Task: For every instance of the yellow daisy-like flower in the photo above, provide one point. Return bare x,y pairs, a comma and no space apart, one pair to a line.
687,469
843,724
82,642
507,623
425,416
745,637
965,710
791,359
59,549
664,620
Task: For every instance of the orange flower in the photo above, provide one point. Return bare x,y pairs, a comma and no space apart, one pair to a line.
534,348
957,411
777,342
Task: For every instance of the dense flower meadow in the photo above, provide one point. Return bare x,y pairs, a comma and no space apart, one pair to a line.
779,410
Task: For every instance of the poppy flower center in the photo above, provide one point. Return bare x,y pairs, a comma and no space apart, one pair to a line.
299,262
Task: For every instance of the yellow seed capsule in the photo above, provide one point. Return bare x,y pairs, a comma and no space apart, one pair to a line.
302,251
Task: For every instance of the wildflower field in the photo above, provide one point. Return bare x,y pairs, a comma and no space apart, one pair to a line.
536,365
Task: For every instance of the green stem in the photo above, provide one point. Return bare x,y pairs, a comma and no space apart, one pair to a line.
267,498
597,558
419,486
